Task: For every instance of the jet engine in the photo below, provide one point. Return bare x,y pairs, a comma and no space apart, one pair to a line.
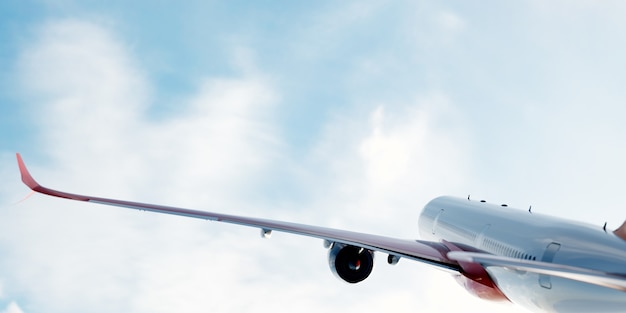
350,263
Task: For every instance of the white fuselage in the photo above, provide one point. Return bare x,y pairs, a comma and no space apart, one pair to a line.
520,234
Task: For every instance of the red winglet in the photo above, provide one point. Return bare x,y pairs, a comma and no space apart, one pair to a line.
26,177
34,185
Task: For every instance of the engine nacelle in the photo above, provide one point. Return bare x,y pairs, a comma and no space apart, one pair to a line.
350,263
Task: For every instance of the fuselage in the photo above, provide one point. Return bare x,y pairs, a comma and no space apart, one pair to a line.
505,231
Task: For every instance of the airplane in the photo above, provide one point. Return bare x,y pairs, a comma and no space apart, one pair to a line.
543,263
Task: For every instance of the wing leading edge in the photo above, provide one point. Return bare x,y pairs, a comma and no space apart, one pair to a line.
423,251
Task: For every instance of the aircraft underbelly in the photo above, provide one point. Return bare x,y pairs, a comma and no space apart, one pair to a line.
564,295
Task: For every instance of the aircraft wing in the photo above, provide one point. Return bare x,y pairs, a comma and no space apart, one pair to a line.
558,270
424,251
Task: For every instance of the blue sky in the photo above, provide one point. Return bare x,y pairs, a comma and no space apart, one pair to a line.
350,115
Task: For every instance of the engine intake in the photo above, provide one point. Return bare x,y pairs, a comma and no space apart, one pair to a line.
350,263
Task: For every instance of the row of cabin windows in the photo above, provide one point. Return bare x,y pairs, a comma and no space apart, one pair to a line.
502,249
492,245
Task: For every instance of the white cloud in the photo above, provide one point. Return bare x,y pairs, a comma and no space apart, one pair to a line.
86,93
388,162
386,155
12,308
451,22
93,101
91,106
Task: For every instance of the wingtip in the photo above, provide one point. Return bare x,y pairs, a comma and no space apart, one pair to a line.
26,177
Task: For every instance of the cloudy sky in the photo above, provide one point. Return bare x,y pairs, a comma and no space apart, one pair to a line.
350,114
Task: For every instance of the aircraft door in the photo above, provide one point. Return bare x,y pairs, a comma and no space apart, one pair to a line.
548,256
436,221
